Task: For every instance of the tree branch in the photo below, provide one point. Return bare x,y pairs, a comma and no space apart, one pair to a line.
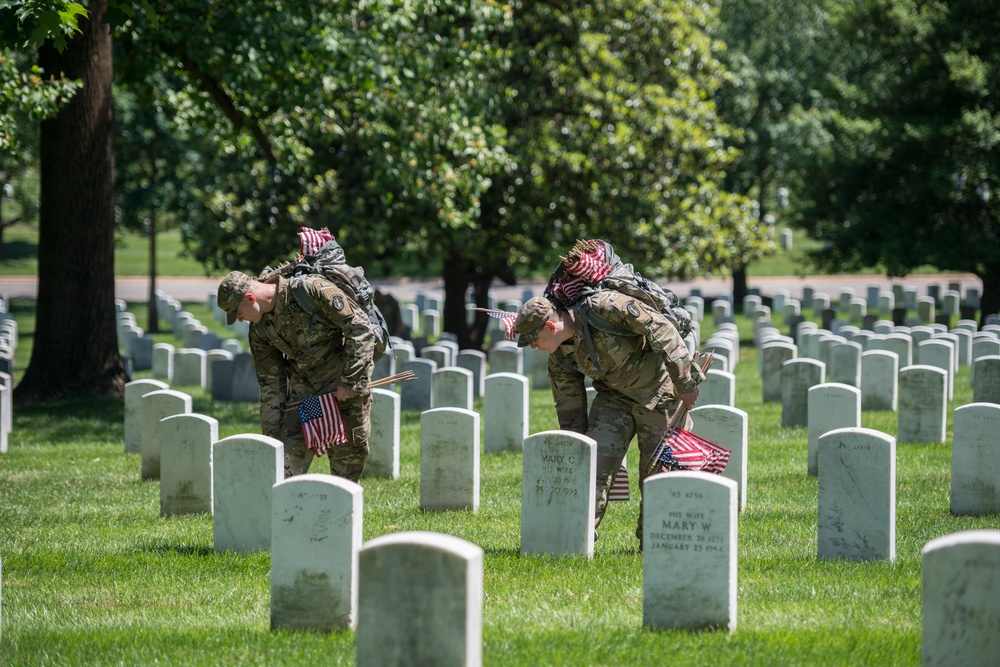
225,102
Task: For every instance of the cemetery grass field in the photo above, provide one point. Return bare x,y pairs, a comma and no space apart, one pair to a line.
92,575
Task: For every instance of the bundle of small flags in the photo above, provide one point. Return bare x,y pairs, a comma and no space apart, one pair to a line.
506,318
585,265
619,490
311,240
681,449
322,423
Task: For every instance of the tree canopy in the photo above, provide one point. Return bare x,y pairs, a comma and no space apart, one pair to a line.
909,169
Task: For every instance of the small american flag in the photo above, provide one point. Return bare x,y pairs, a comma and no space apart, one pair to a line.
506,318
322,423
683,450
588,267
619,490
313,239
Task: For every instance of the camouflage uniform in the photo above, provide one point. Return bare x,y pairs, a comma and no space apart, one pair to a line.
298,354
644,365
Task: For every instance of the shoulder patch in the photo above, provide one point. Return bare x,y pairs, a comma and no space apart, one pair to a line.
632,308
338,302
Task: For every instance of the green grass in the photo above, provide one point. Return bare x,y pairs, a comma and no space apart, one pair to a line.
92,575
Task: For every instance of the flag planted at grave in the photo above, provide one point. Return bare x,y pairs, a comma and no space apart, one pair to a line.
322,423
619,490
681,449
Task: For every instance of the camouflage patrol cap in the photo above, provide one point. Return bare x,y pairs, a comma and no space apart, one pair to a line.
232,289
530,319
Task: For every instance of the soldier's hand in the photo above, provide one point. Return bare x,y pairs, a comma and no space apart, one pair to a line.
689,398
343,393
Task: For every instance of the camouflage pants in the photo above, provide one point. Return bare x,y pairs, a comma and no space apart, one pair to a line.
347,460
612,424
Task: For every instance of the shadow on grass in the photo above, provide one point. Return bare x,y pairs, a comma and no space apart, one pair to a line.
164,548
73,420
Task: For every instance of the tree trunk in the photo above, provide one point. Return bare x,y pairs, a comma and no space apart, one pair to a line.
989,303
154,315
75,348
740,289
456,281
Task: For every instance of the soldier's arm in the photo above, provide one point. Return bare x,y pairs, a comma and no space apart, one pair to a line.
269,364
569,393
359,341
661,334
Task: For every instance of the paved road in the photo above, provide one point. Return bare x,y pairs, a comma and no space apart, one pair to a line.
133,289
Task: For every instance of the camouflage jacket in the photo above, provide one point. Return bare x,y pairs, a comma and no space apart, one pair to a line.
641,356
298,353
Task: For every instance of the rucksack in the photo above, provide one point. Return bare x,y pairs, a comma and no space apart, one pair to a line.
592,266
322,255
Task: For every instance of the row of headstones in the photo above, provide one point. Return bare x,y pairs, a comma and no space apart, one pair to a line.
8,346
178,451
197,340
856,512
899,303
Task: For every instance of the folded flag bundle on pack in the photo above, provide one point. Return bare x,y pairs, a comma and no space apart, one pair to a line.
322,423
311,240
681,449
586,264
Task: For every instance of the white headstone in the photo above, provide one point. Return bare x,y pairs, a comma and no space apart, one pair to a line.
960,600
939,354
986,385
719,388
449,459
186,464
505,359
832,405
134,391
420,601
557,493
153,407
315,539
416,394
879,380
857,495
189,368
383,443
797,376
845,364
505,412
689,551
245,468
774,356
975,460
726,427
475,361
923,397
451,387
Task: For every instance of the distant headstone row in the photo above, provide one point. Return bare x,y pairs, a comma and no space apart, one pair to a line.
8,346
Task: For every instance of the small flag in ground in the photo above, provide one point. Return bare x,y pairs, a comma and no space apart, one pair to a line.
619,490
322,423
683,450
313,239
506,318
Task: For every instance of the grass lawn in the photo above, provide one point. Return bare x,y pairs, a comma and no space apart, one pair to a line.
92,575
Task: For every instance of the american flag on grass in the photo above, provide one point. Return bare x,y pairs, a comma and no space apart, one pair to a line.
506,318
312,240
619,490
322,423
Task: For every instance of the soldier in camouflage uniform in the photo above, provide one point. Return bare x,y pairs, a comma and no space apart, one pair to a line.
306,338
640,367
